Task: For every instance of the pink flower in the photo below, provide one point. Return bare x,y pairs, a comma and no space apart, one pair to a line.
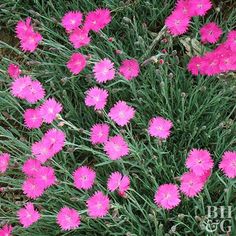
104,71
6,230
32,189
68,218
194,65
72,20
116,147
228,164
98,205
184,7
118,182
14,71
210,65
32,118
96,97
19,86
42,151
76,63
50,109
84,177
30,41
177,23
55,140
99,133
28,215
199,161
200,7
4,162
160,127
23,27
45,177
210,33
191,184
231,40
167,196
97,20
79,38
34,92
129,69
121,113
31,167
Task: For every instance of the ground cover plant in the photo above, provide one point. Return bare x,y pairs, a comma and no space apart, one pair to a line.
123,125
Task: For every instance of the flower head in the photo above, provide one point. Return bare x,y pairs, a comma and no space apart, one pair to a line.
68,218
31,167
34,92
19,85
84,177
104,71
32,189
76,63
79,38
54,139
191,184
96,97
160,127
49,110
167,196
31,41
121,113
32,118
116,147
184,7
210,33
177,23
97,20
28,215
98,205
99,133
23,27
4,162
199,161
129,69
72,20
42,151
6,230
45,177
119,182
194,65
14,71
228,164
200,7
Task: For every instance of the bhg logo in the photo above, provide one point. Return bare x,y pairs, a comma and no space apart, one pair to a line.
218,220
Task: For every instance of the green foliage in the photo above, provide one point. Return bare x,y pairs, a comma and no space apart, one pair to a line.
202,110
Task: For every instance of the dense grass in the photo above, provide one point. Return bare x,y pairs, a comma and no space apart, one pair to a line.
202,110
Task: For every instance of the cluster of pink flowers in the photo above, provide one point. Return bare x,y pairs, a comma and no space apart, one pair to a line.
26,88
79,36
29,39
179,20
200,165
38,177
221,60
